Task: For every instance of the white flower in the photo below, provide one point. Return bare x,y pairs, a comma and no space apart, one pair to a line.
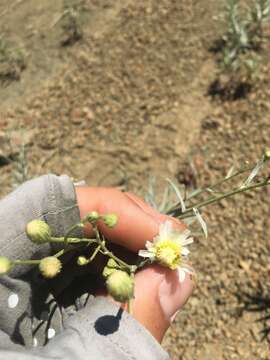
169,248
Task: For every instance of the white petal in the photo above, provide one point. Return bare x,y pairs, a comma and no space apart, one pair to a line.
148,245
146,253
185,251
187,241
201,221
184,234
165,229
188,269
181,275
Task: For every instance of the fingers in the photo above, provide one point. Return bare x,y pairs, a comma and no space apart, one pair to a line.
158,297
158,292
137,221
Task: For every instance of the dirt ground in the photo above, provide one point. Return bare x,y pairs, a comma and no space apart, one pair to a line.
110,92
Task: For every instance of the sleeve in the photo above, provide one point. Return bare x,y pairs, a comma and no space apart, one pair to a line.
101,330
51,198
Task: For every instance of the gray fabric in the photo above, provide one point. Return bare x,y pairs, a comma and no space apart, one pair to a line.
33,324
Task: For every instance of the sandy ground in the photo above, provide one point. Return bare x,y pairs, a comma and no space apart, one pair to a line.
111,92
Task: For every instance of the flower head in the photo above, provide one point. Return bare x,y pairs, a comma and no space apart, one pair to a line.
81,261
38,231
120,285
169,249
5,265
110,220
267,154
50,266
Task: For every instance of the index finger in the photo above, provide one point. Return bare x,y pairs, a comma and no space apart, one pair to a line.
137,221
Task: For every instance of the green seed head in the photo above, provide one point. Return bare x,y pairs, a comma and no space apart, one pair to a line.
38,231
82,261
267,154
50,267
110,220
120,286
92,217
111,267
5,265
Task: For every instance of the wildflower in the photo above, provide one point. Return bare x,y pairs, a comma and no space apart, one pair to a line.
38,231
5,265
111,267
50,266
110,220
267,154
93,216
81,261
169,249
120,285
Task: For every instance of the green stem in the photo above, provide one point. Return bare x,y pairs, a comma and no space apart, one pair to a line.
218,198
72,240
26,262
94,254
74,227
130,301
220,182
130,306
105,251
203,190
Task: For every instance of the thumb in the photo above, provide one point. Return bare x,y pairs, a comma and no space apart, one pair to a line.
158,297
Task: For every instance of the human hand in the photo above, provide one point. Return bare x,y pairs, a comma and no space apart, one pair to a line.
158,292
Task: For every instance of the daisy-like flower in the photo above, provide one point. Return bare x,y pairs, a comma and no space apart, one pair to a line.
169,249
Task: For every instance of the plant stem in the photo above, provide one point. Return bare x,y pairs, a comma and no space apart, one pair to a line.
105,251
130,307
203,190
26,262
74,227
215,199
94,254
61,239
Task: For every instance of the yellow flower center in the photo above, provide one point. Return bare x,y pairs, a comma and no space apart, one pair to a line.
168,254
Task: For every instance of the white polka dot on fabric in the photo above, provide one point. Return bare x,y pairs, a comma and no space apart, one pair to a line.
35,342
13,300
51,333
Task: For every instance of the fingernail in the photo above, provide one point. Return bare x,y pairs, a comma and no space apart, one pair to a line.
170,296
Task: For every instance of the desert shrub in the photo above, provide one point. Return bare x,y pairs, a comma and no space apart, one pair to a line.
239,54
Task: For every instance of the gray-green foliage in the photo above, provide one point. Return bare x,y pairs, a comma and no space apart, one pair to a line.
245,33
70,22
18,160
20,167
12,61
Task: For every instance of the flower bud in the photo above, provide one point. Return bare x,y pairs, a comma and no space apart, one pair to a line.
38,231
92,216
110,220
82,261
267,154
50,266
120,286
5,265
111,267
